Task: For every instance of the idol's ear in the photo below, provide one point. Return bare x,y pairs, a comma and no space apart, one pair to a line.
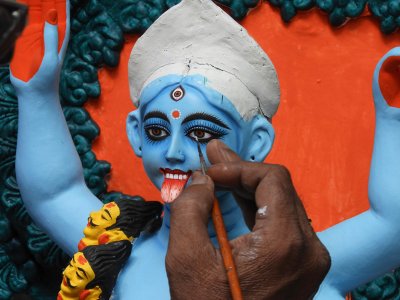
260,141
133,131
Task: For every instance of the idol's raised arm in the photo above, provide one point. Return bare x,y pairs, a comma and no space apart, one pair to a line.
366,246
48,168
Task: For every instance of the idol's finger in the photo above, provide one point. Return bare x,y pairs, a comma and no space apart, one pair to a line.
35,12
47,5
64,31
61,7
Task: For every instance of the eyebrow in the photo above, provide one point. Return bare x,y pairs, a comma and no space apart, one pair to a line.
83,271
108,213
156,114
206,117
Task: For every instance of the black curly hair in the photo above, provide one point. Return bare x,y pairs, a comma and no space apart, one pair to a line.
106,262
137,215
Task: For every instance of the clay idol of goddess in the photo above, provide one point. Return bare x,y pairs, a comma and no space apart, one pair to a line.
195,73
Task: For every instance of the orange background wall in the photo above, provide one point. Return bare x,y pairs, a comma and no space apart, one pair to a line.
325,123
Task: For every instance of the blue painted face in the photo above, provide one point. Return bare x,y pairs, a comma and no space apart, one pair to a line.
168,124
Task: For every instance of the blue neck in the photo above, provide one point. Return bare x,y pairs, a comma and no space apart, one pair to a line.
232,215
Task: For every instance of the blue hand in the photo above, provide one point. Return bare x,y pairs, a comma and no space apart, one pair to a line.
48,168
366,246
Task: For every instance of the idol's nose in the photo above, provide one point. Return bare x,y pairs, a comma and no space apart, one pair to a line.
175,152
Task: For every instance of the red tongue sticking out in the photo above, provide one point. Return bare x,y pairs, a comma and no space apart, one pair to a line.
171,188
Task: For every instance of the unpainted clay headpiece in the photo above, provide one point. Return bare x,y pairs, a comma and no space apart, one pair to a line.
196,37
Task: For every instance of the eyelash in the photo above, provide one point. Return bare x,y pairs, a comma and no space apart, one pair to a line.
215,131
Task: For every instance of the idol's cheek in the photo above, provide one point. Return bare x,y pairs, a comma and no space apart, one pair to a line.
155,175
152,168
67,273
66,286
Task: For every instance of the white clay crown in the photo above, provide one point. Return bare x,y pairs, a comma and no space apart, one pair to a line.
196,37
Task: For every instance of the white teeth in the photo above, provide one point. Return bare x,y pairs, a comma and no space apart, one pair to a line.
176,176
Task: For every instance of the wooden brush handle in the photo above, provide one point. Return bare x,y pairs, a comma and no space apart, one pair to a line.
226,252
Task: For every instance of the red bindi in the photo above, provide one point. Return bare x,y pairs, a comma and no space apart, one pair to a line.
111,204
176,114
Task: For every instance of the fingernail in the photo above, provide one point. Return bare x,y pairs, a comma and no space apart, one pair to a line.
52,16
199,178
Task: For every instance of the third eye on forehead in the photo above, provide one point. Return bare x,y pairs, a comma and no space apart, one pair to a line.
191,117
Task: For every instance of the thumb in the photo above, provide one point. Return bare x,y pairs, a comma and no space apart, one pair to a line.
190,214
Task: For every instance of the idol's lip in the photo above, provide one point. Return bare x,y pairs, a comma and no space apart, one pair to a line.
176,174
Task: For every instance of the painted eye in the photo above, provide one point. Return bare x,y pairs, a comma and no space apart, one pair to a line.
156,133
79,276
91,222
202,135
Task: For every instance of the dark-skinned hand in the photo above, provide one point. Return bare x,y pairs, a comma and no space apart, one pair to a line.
281,258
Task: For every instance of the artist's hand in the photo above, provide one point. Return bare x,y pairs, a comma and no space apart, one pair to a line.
281,258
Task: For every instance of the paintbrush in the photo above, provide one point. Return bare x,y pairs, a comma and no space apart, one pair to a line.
222,237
